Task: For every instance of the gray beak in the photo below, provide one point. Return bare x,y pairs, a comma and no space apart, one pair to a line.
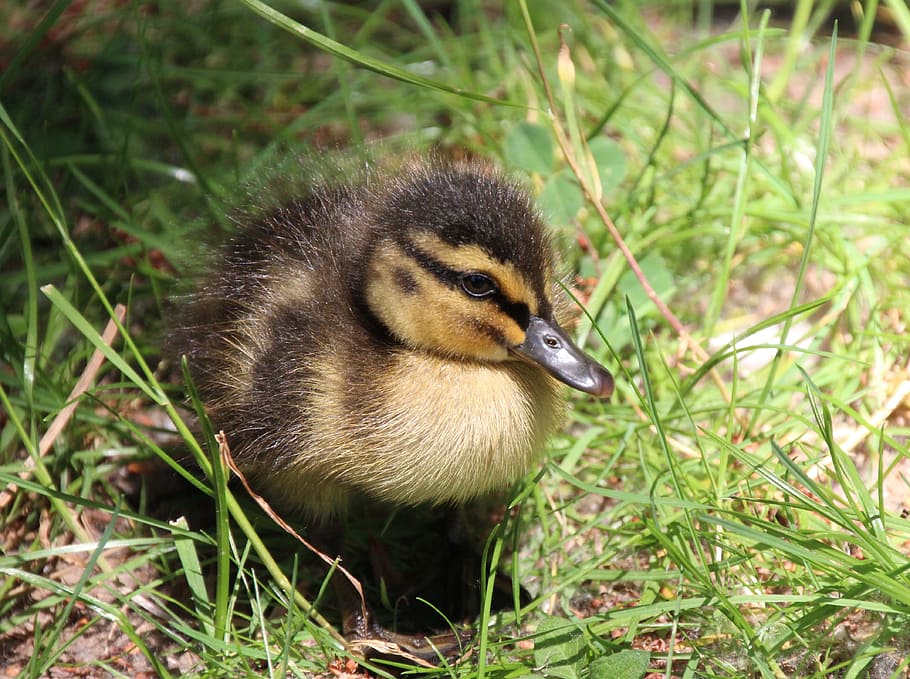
547,345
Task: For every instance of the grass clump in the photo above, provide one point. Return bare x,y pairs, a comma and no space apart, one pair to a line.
738,509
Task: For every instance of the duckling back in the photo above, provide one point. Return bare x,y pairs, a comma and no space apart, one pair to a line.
364,339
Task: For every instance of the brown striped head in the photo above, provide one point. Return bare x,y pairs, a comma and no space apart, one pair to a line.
462,266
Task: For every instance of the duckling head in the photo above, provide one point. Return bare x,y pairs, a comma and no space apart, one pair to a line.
462,267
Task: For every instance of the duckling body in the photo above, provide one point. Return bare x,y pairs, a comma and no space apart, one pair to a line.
386,337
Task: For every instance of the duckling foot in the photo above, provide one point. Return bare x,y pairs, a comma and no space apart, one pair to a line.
375,641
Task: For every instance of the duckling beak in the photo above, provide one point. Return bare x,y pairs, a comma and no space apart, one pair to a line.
547,345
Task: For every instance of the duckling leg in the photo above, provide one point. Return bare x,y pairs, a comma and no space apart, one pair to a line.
358,623
374,640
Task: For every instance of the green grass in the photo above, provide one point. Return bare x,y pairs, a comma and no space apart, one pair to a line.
736,510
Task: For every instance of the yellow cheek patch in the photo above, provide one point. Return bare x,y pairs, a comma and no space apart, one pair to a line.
393,279
426,312
512,283
481,323
513,334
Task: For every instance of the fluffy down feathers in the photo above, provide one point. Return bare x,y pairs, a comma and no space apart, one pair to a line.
340,342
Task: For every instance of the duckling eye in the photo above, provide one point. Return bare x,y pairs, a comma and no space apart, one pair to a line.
478,285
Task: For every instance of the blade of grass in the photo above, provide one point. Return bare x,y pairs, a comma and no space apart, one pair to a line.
844,467
47,655
102,608
85,328
795,42
192,573
738,217
802,549
50,202
821,157
30,353
901,14
359,58
32,40
63,417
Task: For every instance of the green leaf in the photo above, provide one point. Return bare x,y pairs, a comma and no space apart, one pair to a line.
530,148
559,648
561,198
657,272
628,664
610,160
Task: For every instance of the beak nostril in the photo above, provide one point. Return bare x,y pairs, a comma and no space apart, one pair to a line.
547,345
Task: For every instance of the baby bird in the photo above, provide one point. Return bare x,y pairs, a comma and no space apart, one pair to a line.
390,336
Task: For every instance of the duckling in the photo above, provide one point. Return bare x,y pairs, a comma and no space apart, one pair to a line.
389,335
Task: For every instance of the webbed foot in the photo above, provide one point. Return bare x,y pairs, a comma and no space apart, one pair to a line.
374,641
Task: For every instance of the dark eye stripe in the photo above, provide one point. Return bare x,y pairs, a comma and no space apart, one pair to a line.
445,274
490,331
517,311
